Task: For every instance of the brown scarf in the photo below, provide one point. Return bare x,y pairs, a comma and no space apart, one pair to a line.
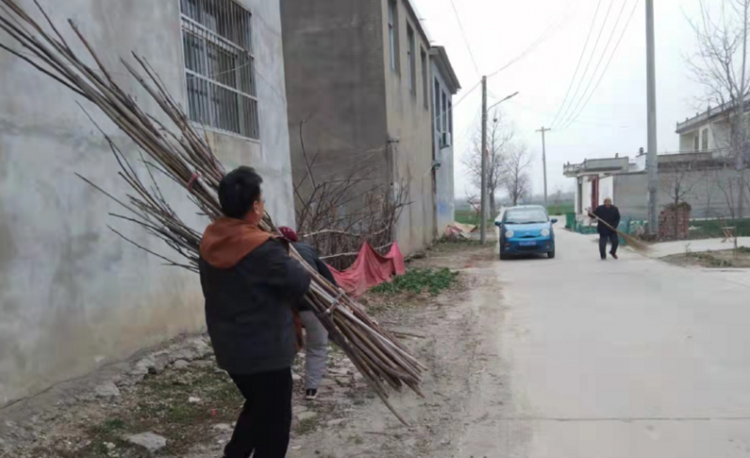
228,240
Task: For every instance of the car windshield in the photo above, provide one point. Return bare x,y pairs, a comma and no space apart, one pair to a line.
525,216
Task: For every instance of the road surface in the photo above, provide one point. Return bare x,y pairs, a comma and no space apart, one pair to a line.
592,359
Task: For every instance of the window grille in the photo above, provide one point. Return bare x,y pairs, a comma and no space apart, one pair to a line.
220,66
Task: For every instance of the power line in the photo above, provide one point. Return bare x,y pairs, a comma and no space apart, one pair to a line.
599,63
466,40
588,63
606,67
542,38
591,122
580,59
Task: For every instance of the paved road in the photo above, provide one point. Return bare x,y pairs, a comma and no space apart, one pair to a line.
628,358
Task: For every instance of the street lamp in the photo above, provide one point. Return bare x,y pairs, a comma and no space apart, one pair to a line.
505,99
483,219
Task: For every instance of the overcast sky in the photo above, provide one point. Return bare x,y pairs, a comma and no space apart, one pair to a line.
614,120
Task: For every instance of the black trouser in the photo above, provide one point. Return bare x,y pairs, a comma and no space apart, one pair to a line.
265,420
603,239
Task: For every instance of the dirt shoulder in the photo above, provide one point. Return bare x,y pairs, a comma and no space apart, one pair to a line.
712,259
178,402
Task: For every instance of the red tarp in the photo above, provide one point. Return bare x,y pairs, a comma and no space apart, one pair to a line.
370,269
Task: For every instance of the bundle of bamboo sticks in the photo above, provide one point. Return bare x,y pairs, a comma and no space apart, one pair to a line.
181,153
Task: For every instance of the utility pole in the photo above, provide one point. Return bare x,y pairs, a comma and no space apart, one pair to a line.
652,165
544,162
483,217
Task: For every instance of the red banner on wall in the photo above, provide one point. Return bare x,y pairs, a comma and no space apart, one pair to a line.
370,269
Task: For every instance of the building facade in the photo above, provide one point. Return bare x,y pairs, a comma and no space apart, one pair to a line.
703,180
445,85
73,295
360,95
705,132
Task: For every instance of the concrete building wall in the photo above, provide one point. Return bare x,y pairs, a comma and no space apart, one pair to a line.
585,193
445,205
410,122
630,195
73,295
687,141
717,132
707,195
606,188
720,135
335,85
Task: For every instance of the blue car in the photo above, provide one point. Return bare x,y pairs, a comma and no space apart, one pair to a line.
526,229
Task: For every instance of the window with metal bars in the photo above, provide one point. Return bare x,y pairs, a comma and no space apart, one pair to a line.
220,66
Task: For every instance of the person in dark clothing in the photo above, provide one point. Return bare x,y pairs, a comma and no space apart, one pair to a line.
316,347
609,214
250,285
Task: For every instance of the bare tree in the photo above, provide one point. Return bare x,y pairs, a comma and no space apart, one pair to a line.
516,177
728,186
720,66
499,136
337,214
557,200
678,180
475,203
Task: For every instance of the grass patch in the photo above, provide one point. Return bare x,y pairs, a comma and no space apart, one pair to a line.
709,260
306,426
471,217
110,426
467,217
419,280
739,258
561,209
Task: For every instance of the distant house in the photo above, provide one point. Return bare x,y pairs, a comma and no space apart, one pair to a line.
361,93
703,173
702,179
707,132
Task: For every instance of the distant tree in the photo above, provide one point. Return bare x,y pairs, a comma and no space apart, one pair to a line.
475,204
516,176
678,180
720,65
499,136
557,198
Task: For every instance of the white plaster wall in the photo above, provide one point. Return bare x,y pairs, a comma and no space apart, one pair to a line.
72,294
606,188
445,204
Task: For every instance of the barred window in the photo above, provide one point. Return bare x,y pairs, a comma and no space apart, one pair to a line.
220,66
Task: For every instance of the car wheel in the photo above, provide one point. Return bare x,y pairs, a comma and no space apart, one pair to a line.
504,257
551,254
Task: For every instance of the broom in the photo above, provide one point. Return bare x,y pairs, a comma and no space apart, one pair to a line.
638,245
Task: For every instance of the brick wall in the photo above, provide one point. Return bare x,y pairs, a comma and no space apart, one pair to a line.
674,222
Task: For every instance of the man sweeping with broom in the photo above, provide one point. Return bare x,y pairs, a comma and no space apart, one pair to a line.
250,284
609,218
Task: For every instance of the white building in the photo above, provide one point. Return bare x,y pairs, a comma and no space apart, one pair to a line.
445,86
73,296
705,132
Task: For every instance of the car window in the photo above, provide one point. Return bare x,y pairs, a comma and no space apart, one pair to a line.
525,215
